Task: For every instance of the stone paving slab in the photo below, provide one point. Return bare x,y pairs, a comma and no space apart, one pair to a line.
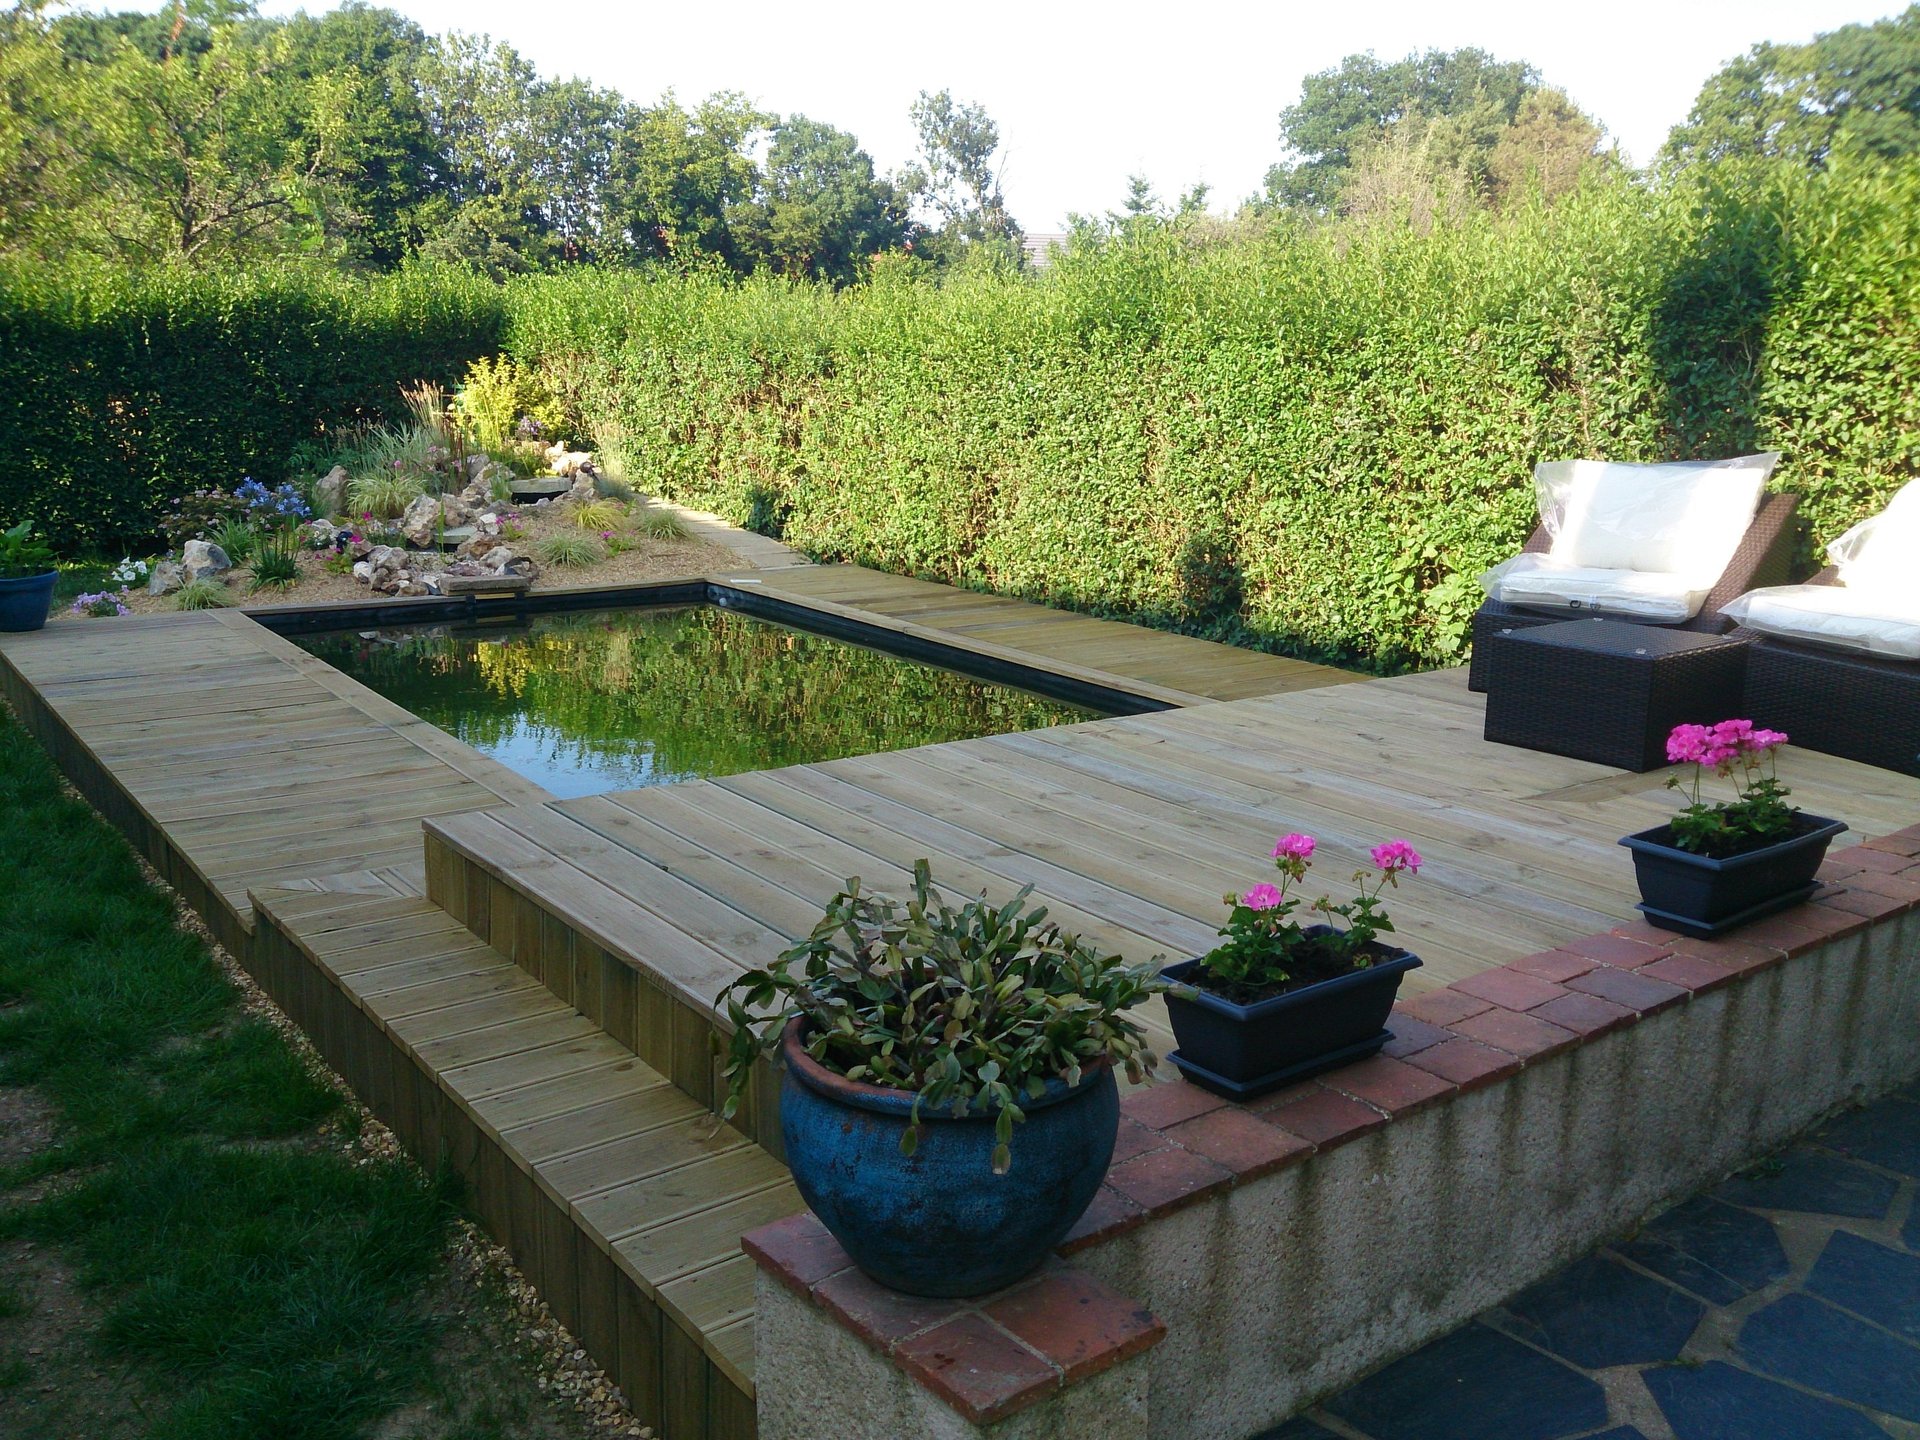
1784,1304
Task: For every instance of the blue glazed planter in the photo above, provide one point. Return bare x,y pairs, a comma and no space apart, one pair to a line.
24,603
941,1223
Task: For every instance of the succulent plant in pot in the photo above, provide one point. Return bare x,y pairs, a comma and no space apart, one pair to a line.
27,577
948,1101
1719,864
1278,1000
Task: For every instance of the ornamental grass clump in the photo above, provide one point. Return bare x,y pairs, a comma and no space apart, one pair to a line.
1758,814
1266,951
972,1009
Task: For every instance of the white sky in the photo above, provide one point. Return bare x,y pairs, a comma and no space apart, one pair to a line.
1086,94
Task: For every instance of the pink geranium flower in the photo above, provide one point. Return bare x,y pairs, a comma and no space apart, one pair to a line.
1397,855
1261,897
1293,847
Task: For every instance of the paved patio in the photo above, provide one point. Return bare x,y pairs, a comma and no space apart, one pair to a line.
1782,1305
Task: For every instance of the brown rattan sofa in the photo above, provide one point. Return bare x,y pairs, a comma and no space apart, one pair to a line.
1857,706
1765,557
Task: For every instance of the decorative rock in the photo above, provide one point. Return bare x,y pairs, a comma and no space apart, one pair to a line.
166,577
363,572
583,490
421,521
330,492
477,495
200,559
477,467
321,533
563,461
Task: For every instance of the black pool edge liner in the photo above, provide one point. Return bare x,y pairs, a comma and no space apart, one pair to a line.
474,609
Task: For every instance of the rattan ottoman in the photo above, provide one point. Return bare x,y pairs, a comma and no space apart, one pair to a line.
1859,707
1607,691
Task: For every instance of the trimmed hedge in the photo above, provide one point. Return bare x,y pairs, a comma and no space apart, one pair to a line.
118,393
1313,443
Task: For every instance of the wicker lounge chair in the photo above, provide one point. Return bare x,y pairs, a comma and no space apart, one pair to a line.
1857,706
1764,557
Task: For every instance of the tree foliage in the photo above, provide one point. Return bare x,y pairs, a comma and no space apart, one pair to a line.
1857,88
1463,100
208,135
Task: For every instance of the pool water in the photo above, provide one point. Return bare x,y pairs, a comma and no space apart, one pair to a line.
591,701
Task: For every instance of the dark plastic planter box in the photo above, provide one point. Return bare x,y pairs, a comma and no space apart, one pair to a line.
1243,1050
24,602
1695,895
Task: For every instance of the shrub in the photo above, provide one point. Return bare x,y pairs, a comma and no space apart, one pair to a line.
1311,441
569,549
657,523
119,392
203,594
598,515
504,406
383,494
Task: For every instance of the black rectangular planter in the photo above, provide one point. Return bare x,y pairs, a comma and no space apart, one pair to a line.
1697,895
1244,1049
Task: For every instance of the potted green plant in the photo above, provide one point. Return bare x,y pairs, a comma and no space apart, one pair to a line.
1276,1000
1720,864
916,1037
27,577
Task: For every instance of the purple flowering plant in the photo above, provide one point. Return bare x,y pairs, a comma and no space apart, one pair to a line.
1266,950
1758,814
106,602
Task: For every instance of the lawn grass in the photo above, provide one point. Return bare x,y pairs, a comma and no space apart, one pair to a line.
250,1277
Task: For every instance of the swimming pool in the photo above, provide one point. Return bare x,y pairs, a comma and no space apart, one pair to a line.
584,702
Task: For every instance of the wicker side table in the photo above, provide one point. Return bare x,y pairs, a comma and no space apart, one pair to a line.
1607,691
1859,707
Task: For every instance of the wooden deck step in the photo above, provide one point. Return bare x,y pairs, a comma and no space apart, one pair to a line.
616,1191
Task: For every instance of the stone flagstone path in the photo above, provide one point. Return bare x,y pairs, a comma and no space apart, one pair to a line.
1782,1305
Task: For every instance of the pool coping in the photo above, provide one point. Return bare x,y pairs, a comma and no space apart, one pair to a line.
1106,692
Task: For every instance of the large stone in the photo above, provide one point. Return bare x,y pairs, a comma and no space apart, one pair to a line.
422,521
583,490
330,492
202,560
166,577
563,461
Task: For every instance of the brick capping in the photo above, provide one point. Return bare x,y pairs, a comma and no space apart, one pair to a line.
989,1357
1180,1144
1475,1032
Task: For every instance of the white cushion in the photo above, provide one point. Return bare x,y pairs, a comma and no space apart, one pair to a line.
1875,621
1543,583
1683,519
1882,553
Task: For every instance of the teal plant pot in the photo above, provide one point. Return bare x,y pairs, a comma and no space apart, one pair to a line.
24,603
939,1222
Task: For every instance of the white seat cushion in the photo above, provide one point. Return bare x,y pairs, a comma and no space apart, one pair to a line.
1542,583
1876,621
1682,519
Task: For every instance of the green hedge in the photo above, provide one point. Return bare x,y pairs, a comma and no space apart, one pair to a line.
118,393
1312,443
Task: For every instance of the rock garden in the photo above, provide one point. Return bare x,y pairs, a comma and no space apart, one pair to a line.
413,510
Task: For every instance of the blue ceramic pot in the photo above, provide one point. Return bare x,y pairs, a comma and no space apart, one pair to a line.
24,602
940,1222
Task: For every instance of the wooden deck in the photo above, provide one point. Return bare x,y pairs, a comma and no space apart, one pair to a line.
1130,830
235,760
542,1015
1171,669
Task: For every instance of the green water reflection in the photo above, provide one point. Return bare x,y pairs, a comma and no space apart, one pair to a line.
616,699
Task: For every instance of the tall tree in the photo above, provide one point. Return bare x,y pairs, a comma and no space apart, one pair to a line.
825,211
1465,98
1857,87
957,174
1549,147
